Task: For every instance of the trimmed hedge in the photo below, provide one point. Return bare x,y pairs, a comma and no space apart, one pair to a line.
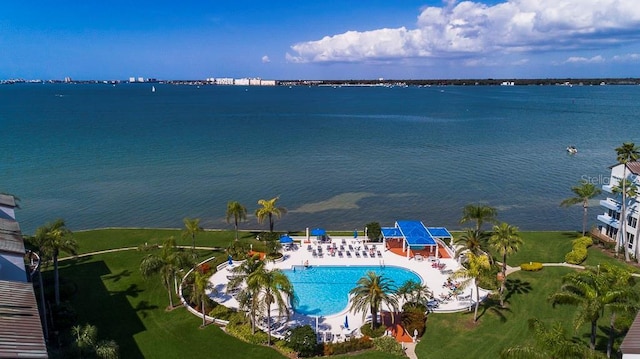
583,241
576,256
579,252
531,266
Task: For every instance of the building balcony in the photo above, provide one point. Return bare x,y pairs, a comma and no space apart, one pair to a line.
610,204
609,220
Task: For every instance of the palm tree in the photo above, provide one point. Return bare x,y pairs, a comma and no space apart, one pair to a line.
247,295
549,343
631,191
271,287
238,212
191,228
201,285
168,263
588,290
371,292
621,296
476,265
413,292
269,210
479,214
470,241
86,340
505,240
241,272
53,238
583,193
248,299
626,153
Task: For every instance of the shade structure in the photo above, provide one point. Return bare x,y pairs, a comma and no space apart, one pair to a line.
285,239
318,232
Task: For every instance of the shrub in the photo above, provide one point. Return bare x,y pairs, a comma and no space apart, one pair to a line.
243,331
221,312
281,345
204,268
238,318
304,341
373,333
388,345
348,346
238,250
579,252
582,242
488,279
414,305
414,319
531,266
576,256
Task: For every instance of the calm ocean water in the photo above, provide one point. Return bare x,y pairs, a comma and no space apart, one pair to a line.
102,155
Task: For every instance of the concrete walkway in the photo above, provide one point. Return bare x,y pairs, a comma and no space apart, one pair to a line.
410,350
129,249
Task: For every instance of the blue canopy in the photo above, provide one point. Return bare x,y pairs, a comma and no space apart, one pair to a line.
415,233
391,232
284,239
318,232
439,232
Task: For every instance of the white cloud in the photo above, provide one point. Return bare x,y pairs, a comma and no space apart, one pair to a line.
472,29
584,60
626,58
265,59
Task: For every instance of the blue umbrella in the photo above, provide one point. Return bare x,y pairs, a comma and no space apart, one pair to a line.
285,239
355,233
230,259
346,322
318,232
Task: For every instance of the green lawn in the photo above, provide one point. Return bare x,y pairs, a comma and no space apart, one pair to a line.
545,247
111,294
101,239
456,336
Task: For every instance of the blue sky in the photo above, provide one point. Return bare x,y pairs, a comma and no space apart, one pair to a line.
331,39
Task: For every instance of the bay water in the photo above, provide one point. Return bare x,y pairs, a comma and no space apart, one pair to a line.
99,155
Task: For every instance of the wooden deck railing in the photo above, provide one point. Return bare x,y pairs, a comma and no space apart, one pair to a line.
602,238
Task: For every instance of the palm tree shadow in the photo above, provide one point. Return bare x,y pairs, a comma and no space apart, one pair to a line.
493,305
131,291
143,307
516,286
117,276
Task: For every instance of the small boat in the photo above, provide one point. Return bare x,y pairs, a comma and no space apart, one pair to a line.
572,150
153,89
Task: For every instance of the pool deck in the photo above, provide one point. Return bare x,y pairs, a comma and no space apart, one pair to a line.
331,326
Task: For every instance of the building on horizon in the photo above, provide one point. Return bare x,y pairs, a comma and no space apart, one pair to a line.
21,330
609,223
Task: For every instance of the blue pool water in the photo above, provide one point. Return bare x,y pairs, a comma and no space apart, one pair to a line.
324,290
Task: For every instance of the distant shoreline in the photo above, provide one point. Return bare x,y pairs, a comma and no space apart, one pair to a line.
567,81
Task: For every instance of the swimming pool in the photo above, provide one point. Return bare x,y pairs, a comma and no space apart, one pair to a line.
324,290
